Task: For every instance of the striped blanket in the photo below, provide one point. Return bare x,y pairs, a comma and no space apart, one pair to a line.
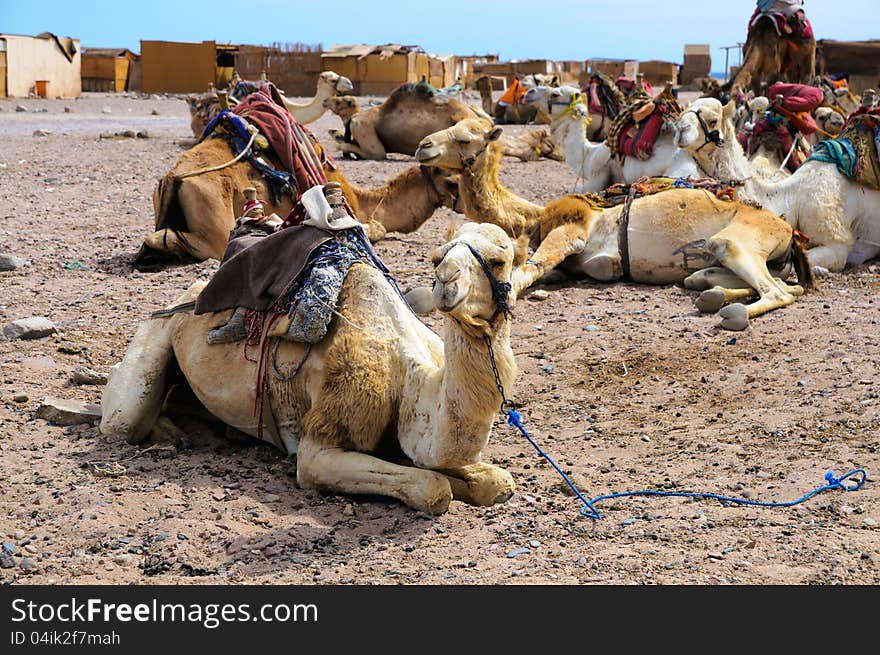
856,152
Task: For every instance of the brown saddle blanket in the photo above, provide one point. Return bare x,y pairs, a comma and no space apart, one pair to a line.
256,270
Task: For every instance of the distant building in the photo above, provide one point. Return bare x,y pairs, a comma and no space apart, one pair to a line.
860,60
109,69
180,67
378,70
45,65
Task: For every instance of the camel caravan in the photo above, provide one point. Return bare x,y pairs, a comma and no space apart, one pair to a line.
746,196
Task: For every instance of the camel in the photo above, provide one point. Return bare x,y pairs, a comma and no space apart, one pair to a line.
769,57
838,214
516,113
830,124
194,215
409,114
592,162
602,97
681,235
529,146
379,379
203,108
837,96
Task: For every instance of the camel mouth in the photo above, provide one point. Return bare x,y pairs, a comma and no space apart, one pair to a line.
344,85
426,156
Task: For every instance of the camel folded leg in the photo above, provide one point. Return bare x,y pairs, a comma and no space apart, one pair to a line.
184,243
480,484
350,472
561,242
365,143
829,258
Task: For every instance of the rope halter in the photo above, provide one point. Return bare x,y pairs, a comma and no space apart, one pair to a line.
710,136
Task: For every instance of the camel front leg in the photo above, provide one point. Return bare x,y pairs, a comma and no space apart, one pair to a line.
365,142
185,244
480,484
562,242
350,472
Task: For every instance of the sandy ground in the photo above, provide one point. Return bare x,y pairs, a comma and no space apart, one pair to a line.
627,386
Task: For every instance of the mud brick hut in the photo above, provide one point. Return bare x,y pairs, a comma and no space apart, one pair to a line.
697,64
378,70
613,68
465,65
658,73
859,59
108,69
293,67
45,65
180,67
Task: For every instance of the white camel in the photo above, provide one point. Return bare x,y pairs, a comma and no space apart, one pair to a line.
592,162
329,85
840,216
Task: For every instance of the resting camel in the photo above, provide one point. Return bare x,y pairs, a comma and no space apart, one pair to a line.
601,113
529,146
517,113
681,235
839,215
409,114
379,378
593,163
769,57
203,108
194,215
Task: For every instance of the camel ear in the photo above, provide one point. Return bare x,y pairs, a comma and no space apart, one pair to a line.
495,134
729,110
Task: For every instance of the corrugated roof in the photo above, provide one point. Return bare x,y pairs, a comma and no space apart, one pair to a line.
108,52
363,50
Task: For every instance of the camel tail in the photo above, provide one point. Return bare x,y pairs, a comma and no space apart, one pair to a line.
801,261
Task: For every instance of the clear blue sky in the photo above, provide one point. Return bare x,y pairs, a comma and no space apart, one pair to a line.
517,29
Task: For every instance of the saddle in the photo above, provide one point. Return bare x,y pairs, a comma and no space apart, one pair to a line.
797,25
635,130
856,151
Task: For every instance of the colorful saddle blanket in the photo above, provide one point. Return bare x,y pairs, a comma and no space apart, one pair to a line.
856,152
633,135
797,25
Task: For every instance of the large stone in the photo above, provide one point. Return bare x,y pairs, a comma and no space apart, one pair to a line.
68,412
11,262
83,375
33,327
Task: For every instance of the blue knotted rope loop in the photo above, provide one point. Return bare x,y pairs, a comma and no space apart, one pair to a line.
514,419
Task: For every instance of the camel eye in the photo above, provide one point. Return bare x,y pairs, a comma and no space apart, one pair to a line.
496,263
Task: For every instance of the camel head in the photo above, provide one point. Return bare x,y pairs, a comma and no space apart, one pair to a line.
331,84
537,79
459,146
472,276
830,121
705,124
343,106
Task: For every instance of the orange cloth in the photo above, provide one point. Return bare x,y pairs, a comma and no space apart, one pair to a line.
514,94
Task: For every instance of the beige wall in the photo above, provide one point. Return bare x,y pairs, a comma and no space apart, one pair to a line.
30,59
173,67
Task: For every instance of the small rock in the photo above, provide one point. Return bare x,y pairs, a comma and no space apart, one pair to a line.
272,498
42,132
547,368
143,134
716,555
20,108
162,536
20,398
155,112
869,523
591,328
70,348
626,522
6,560
33,327
534,543
9,547
68,412
68,110
123,559
238,544
518,551
27,564
83,375
538,294
106,110
11,262
348,510
731,341
802,383
646,438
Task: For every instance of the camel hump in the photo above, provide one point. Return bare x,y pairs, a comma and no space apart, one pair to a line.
410,91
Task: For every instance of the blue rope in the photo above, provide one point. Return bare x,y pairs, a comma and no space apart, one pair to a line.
589,509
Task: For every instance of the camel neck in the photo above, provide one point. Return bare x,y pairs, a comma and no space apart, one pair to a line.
487,201
401,205
471,399
726,163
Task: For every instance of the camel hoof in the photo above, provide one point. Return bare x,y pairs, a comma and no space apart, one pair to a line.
710,301
820,271
421,299
579,246
734,317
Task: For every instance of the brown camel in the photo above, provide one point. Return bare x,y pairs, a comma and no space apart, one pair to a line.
519,113
769,57
194,215
409,114
529,146
680,235
380,381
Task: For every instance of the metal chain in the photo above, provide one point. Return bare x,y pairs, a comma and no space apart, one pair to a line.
506,404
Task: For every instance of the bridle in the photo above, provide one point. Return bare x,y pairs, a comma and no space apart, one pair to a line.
500,290
710,136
